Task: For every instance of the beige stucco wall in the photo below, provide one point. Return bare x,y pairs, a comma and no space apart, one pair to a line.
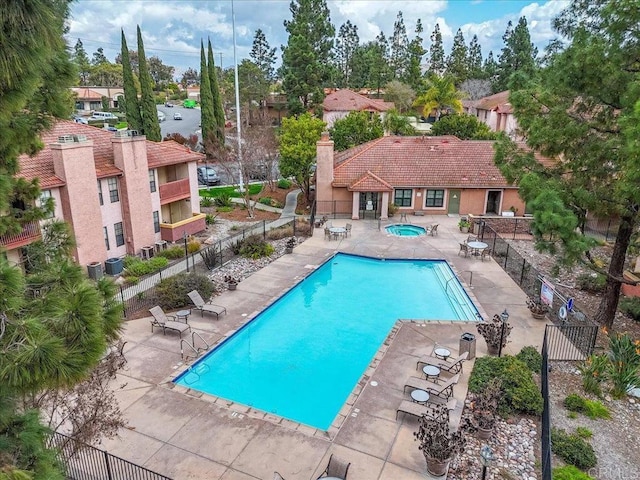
112,214
324,173
74,163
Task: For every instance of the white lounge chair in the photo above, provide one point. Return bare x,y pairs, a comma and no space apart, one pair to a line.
203,306
164,321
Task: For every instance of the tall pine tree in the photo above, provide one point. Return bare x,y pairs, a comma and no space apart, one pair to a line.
518,55
474,59
305,59
263,55
150,123
399,48
436,53
413,74
347,42
457,66
131,102
207,113
81,60
216,98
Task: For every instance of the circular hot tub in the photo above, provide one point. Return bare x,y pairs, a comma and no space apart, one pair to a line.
405,230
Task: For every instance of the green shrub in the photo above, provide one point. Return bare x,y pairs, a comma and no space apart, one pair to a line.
172,291
592,282
172,253
280,232
130,259
521,394
224,209
574,403
284,183
206,202
584,432
569,472
630,306
591,408
572,449
141,268
223,200
624,363
594,372
193,246
531,358
255,247
265,201
210,219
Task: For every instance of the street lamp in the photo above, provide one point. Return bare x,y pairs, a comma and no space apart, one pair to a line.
186,250
486,457
504,316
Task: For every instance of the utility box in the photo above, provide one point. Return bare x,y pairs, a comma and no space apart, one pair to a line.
95,270
113,266
468,344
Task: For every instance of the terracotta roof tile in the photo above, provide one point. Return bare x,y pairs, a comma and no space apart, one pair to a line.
41,165
346,100
87,94
368,182
494,101
419,161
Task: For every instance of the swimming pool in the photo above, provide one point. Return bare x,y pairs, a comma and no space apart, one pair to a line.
405,230
302,356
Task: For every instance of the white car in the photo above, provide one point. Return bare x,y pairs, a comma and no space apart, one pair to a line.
161,116
177,116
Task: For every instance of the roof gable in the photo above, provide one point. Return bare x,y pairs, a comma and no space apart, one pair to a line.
369,182
346,100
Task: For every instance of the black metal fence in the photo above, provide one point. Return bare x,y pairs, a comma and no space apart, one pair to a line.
545,433
604,229
84,462
335,208
143,296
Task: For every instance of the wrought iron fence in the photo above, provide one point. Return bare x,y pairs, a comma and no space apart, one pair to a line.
84,462
335,208
143,294
545,433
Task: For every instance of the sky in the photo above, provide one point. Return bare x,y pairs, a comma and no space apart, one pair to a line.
173,29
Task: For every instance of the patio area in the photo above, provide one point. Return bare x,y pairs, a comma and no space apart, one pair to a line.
184,434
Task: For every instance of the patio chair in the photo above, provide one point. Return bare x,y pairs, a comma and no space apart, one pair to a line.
203,306
444,390
464,248
166,322
451,366
433,231
485,253
327,232
471,238
347,232
336,468
418,409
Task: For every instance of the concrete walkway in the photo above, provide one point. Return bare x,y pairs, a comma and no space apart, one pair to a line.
187,435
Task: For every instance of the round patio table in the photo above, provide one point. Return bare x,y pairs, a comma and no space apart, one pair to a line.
477,247
420,396
442,353
183,315
431,372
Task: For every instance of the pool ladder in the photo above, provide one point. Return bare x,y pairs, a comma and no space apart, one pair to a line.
192,346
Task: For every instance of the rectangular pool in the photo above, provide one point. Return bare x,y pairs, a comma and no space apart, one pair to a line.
302,356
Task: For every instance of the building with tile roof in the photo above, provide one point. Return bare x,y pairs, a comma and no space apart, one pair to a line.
495,111
89,99
120,193
423,175
340,103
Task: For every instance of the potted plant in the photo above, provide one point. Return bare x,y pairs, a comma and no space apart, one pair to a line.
537,308
464,225
438,445
231,282
393,208
493,332
288,247
484,409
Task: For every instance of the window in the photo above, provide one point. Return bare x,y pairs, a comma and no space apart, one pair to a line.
113,189
402,197
156,221
434,198
106,237
117,228
100,193
45,195
152,180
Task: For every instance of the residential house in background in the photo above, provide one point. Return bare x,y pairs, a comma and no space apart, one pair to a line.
495,111
420,175
89,99
121,194
340,103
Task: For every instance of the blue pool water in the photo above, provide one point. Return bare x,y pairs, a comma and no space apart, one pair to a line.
301,357
405,230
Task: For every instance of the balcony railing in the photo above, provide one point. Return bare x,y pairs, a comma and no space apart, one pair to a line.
29,234
174,191
174,231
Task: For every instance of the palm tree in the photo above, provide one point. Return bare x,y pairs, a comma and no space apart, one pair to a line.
441,95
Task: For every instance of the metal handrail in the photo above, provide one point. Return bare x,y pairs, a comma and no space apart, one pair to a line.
193,341
182,340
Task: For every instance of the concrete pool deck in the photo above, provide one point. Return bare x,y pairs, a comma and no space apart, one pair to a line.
186,435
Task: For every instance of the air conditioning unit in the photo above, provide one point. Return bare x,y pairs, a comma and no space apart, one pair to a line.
135,133
147,253
65,139
161,245
95,270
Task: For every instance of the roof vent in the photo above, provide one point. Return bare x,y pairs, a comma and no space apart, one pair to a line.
79,138
135,133
432,148
65,139
122,134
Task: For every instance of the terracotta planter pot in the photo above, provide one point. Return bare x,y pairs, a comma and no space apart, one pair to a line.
538,316
484,433
288,250
492,350
436,467
232,286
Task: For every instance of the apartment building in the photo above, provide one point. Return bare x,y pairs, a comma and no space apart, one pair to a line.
120,193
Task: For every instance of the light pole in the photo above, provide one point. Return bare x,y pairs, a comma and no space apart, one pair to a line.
237,87
186,250
504,316
486,456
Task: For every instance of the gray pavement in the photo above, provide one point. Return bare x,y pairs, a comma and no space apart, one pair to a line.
187,435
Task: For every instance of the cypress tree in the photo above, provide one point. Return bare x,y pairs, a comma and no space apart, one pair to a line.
150,123
216,98
131,103
207,117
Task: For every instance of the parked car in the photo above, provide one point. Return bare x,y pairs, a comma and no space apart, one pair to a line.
177,116
208,176
103,116
161,116
79,119
168,105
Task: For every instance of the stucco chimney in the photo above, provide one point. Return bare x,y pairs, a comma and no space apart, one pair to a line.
324,169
